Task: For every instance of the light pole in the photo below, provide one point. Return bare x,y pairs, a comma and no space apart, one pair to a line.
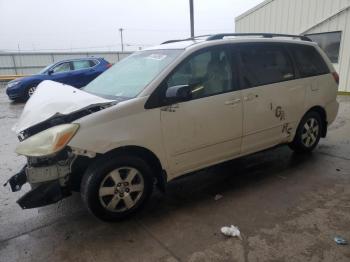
191,18
121,38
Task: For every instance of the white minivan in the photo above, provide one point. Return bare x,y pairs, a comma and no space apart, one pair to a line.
170,110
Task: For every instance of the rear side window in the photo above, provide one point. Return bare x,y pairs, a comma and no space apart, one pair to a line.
81,64
309,61
265,64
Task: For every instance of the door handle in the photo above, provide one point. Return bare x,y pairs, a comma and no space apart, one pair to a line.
232,102
170,108
288,76
250,97
314,88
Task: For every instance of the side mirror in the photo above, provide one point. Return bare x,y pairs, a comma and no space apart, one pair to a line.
180,93
50,72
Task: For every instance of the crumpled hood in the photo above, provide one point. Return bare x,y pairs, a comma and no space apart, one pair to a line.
52,98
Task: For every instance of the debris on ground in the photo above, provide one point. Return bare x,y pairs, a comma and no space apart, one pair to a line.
340,241
231,231
338,169
218,197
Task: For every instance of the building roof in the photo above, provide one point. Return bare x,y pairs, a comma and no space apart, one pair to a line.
255,8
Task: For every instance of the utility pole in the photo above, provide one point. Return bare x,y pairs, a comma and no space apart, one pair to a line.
191,18
121,38
19,60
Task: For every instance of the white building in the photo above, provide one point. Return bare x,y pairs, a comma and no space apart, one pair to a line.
326,22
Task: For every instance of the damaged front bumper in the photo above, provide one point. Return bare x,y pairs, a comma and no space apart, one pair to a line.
17,181
48,179
45,194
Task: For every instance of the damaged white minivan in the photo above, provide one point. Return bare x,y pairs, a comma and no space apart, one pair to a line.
171,110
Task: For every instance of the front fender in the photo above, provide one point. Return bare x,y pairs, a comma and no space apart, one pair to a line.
125,124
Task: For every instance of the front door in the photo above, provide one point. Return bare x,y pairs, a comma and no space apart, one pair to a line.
62,73
208,128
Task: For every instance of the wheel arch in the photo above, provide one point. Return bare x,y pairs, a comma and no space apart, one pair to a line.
142,152
150,157
29,84
33,82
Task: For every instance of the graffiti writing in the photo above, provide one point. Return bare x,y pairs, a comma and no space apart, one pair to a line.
287,129
279,112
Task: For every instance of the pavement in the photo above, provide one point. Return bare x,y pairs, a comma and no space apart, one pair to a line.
288,207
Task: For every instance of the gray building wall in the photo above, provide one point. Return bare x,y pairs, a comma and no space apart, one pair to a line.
303,17
31,63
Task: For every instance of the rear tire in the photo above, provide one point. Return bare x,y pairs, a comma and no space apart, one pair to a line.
116,186
308,133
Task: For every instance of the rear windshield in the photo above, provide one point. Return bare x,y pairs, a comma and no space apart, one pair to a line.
309,61
130,76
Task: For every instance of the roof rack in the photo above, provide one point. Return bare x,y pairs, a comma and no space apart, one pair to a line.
265,35
186,39
221,36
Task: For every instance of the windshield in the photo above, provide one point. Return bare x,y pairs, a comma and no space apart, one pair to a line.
131,75
45,69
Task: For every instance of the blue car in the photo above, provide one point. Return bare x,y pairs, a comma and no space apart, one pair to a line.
75,72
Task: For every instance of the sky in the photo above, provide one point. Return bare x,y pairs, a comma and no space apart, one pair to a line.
74,25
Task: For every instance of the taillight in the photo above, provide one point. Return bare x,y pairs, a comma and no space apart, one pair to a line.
109,65
336,77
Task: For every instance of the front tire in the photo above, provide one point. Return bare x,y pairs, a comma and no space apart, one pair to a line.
29,92
308,133
116,186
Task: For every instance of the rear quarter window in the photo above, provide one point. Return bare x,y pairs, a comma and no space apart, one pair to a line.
93,62
308,61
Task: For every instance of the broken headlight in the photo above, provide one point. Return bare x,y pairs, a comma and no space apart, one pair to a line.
48,141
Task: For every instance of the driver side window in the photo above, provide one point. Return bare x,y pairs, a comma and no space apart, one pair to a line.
208,73
64,67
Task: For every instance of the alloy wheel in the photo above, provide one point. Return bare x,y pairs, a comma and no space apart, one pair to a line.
310,132
31,91
121,189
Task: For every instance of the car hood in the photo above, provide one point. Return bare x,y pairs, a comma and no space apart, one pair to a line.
16,80
52,100
30,78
